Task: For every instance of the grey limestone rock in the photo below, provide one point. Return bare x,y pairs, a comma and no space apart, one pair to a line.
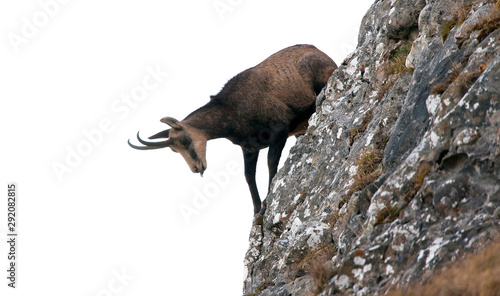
399,171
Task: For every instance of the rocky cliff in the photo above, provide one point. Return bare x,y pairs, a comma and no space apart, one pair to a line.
399,172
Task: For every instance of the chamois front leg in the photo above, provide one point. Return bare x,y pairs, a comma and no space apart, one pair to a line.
273,158
250,159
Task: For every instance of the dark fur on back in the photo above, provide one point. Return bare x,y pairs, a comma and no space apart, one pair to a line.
277,91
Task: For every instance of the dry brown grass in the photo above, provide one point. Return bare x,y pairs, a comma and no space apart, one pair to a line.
464,82
446,28
440,88
367,170
260,289
489,22
476,275
384,88
317,265
394,61
458,19
397,58
423,170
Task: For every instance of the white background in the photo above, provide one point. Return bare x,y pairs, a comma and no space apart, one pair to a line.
66,68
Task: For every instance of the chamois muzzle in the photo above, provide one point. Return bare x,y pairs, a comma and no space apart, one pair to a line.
149,145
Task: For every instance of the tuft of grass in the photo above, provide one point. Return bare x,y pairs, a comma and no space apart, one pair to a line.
398,57
465,81
388,215
446,28
458,19
477,274
352,134
462,13
316,264
423,170
418,180
260,289
489,23
384,88
441,87
367,170
368,162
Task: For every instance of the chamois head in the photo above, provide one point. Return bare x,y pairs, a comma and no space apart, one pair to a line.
183,139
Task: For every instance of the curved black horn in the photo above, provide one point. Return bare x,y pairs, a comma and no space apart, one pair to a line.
142,147
163,134
161,144
149,145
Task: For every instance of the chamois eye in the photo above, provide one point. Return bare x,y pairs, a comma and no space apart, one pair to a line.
185,141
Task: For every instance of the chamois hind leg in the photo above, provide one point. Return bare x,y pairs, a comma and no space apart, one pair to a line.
250,159
273,158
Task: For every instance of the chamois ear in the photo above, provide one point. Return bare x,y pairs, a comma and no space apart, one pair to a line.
174,123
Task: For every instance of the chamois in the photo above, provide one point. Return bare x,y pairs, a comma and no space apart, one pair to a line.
258,108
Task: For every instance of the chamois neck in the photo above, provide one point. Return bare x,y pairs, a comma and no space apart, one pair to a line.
209,120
